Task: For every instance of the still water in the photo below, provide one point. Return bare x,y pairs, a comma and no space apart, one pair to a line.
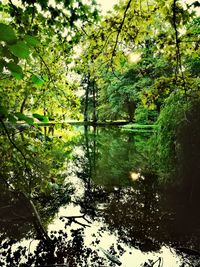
118,213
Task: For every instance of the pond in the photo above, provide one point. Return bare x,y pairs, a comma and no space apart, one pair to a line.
117,213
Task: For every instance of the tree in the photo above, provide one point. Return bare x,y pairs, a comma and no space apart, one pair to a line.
32,88
155,31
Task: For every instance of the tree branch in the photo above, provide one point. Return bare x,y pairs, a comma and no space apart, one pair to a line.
178,63
13,6
120,29
178,53
50,80
177,41
74,219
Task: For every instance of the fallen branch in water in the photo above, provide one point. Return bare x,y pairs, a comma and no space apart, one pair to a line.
151,263
52,265
111,257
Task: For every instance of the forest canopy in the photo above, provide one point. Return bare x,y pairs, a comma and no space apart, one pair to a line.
132,58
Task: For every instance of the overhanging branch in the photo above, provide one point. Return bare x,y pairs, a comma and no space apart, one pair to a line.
177,42
120,29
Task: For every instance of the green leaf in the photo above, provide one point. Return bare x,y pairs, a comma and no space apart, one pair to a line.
37,80
17,76
46,119
25,118
1,65
41,118
32,148
38,116
12,118
1,49
15,69
3,112
31,41
20,49
7,33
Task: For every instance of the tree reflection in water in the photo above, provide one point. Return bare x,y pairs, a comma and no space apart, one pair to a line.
140,213
18,223
145,214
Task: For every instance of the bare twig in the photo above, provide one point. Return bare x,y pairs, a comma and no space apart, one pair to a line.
43,61
74,219
84,31
5,207
13,6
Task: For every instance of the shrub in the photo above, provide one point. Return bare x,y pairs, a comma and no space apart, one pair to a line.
145,116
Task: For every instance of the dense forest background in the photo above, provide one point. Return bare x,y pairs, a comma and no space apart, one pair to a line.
62,61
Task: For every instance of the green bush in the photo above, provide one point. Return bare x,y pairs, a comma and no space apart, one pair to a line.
145,116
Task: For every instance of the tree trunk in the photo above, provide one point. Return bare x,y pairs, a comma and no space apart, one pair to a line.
131,107
94,102
87,99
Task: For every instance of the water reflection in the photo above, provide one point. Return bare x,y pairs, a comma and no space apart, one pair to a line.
145,215
15,216
110,157
118,212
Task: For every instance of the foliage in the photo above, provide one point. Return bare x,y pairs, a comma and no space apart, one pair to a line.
163,144
34,87
174,137
137,86
39,92
160,33
33,57
34,160
145,116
